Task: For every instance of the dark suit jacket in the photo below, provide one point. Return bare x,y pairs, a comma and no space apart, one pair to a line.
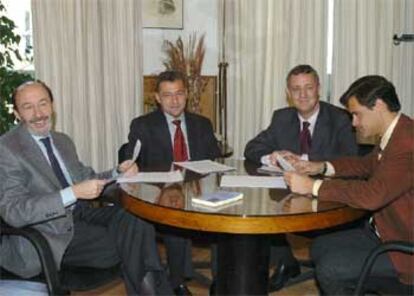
388,190
29,195
332,137
157,149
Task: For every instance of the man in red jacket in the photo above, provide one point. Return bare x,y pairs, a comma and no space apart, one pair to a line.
382,184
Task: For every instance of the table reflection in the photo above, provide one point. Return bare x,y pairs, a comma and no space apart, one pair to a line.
171,196
255,202
243,226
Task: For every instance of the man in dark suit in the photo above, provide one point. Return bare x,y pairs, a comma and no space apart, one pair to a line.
382,182
45,185
309,130
172,134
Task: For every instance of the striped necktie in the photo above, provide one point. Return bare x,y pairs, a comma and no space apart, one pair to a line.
305,139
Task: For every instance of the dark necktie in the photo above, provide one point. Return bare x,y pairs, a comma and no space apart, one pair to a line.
180,149
305,139
54,163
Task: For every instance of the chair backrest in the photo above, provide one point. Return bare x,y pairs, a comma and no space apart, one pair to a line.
50,272
68,278
384,285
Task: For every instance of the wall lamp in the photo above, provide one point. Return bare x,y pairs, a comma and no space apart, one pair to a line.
397,39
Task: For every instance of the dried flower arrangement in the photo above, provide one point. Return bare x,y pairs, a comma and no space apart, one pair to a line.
188,60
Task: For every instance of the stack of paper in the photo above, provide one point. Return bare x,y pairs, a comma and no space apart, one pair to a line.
153,177
218,198
253,181
204,166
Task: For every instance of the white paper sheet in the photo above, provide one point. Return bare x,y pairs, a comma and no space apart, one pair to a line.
205,166
153,177
137,150
253,181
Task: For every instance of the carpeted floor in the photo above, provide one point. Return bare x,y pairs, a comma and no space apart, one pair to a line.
300,245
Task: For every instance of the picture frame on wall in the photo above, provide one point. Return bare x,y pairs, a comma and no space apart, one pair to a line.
162,14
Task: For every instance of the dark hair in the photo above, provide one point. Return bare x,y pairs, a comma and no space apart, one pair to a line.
171,76
368,89
302,69
26,83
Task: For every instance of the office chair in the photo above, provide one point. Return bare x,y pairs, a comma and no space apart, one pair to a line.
67,279
383,285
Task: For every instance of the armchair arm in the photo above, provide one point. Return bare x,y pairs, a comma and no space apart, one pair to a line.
43,250
399,246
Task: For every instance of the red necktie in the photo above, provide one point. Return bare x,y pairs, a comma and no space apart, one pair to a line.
180,149
305,139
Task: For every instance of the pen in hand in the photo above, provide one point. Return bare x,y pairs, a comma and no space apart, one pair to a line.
126,166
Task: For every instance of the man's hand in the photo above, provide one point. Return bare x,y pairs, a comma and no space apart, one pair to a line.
289,156
89,189
128,168
299,183
309,167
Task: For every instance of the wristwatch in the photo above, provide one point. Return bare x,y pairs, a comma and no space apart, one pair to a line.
325,168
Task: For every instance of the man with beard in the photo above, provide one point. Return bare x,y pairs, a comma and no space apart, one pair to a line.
45,185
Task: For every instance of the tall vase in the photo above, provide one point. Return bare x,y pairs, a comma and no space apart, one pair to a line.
196,85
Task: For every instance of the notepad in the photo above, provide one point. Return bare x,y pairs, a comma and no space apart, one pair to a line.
217,198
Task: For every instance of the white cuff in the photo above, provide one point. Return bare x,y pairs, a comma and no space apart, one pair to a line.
68,197
330,170
315,188
265,159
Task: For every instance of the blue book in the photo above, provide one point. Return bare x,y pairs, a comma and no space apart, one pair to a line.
217,198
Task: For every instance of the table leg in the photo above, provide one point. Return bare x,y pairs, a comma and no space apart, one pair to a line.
242,264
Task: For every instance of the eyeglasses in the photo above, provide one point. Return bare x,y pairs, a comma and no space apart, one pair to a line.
168,95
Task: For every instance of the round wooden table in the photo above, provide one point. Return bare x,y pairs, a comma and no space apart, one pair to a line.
244,227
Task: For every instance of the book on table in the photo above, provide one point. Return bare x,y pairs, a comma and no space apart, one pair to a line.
217,198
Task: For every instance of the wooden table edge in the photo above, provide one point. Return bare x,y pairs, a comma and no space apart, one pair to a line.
215,222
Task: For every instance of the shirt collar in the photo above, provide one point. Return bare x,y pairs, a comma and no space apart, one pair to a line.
38,138
388,133
170,118
311,120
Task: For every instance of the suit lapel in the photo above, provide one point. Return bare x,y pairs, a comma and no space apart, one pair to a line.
191,135
292,134
321,132
34,156
66,154
162,132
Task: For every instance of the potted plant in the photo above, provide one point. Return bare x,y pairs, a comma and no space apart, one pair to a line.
9,78
188,60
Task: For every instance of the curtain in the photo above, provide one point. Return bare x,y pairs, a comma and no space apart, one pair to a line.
363,45
90,53
262,41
